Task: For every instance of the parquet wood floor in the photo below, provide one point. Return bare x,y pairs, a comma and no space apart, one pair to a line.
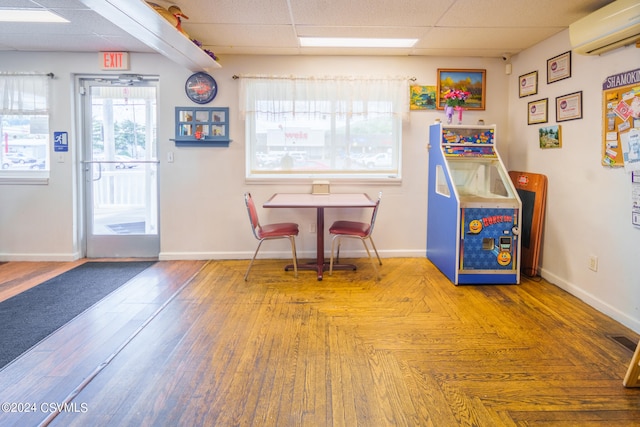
191,343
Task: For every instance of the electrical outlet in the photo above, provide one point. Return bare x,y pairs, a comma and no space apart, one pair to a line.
312,228
593,263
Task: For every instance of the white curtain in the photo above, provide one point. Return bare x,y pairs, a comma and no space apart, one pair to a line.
24,94
314,96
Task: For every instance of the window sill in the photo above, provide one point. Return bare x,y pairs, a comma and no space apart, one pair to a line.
337,180
28,178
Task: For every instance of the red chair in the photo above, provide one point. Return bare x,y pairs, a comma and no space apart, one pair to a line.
270,232
357,230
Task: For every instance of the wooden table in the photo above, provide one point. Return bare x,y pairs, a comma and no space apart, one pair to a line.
320,202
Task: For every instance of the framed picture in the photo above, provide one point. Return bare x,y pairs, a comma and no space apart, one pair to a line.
537,111
422,97
559,67
569,107
551,137
472,81
528,84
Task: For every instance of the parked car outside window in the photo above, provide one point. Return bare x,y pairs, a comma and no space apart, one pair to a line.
377,160
20,158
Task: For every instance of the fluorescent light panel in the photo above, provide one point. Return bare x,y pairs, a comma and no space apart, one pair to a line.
354,42
29,15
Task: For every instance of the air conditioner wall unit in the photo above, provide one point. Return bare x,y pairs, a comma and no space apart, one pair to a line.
613,26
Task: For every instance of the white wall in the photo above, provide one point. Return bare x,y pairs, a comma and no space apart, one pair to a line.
203,189
588,205
202,212
42,222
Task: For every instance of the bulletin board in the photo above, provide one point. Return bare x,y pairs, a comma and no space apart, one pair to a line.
621,113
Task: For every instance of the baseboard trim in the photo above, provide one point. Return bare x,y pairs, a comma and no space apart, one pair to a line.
182,256
593,301
40,257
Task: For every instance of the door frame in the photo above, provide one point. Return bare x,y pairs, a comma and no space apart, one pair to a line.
142,245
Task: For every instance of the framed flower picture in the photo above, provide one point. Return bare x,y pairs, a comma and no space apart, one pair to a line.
472,81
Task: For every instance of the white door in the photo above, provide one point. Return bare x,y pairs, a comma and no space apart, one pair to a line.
120,167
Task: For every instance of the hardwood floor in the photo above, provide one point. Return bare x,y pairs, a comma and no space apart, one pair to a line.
191,343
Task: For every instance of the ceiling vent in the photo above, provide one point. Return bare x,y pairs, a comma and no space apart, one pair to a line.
613,26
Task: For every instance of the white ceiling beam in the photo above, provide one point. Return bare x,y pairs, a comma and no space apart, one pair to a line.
143,23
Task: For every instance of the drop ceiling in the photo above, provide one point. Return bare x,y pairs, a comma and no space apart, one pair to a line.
475,28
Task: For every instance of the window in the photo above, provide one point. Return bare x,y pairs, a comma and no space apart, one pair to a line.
24,126
441,182
323,127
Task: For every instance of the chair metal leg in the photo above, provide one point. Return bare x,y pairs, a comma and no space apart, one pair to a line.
293,253
333,243
246,275
376,250
373,263
338,237
295,259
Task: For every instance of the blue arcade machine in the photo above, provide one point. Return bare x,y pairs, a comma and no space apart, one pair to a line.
473,211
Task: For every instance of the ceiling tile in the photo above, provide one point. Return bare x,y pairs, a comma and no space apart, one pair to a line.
244,35
517,13
509,40
364,32
337,13
272,12
485,28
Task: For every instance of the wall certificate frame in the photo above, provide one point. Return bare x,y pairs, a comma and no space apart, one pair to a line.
559,67
569,107
528,84
537,111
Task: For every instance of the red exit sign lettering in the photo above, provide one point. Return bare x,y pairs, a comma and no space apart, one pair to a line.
114,60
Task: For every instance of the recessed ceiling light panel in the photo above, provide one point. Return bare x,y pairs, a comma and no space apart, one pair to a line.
354,42
29,15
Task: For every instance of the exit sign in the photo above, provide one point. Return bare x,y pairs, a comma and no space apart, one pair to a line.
114,60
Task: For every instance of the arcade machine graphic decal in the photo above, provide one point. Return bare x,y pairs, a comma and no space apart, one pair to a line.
487,240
